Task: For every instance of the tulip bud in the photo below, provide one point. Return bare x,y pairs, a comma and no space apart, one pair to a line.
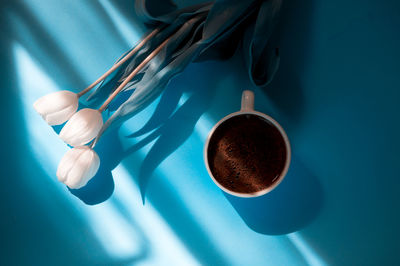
82,127
78,166
57,107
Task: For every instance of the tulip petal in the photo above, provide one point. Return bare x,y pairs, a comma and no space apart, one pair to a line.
82,127
67,163
57,107
78,166
61,116
78,176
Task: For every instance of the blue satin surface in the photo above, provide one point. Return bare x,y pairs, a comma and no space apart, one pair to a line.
336,93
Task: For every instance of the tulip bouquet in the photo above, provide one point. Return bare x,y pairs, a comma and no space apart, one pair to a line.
179,36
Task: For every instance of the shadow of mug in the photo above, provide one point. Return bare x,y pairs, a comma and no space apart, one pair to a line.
288,208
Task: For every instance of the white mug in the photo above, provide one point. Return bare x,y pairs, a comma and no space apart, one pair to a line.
247,107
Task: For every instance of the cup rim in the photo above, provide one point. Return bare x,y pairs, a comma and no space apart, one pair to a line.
285,168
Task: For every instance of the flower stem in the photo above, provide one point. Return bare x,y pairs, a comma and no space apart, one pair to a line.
133,74
120,62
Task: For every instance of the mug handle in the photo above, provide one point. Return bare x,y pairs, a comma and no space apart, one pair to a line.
247,101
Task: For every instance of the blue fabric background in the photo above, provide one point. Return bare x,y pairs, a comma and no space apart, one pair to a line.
336,93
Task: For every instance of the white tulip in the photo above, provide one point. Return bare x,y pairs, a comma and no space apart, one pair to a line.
82,127
78,166
57,107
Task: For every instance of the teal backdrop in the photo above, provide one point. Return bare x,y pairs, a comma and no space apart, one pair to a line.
336,93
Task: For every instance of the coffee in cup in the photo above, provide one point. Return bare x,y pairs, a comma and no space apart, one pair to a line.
247,153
